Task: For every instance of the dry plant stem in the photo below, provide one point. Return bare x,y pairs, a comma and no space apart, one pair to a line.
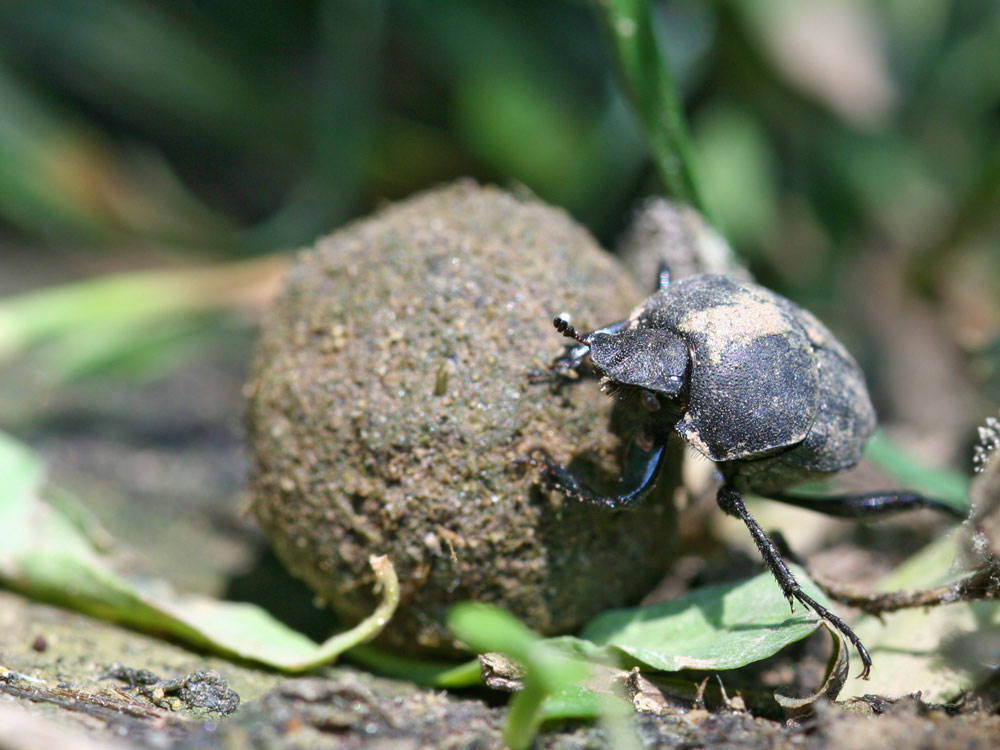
982,584
103,706
364,631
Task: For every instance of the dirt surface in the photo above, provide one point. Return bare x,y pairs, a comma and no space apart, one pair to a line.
69,693
161,465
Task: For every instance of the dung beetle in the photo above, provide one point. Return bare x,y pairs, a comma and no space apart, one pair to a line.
751,381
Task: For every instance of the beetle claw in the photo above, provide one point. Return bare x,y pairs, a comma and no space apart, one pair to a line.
535,457
541,376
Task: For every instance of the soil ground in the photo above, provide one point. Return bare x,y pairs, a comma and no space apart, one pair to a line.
162,467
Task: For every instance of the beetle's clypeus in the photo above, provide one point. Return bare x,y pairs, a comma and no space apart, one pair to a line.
750,380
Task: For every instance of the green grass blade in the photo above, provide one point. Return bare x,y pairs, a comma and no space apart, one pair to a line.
650,85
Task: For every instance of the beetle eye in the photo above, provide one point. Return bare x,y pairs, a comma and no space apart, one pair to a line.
649,400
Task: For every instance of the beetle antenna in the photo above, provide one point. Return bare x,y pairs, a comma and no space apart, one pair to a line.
563,326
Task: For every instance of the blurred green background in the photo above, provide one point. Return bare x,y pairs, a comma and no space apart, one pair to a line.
849,151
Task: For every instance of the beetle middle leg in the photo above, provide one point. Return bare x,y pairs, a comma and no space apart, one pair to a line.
663,276
732,504
643,461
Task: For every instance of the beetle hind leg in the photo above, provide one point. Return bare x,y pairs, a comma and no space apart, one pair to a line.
732,504
868,506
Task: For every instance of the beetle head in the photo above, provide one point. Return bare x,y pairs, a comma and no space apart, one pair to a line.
654,359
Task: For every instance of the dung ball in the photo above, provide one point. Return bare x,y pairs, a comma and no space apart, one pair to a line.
389,404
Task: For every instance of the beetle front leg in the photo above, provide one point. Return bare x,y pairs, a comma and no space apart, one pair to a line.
573,356
732,504
570,360
643,462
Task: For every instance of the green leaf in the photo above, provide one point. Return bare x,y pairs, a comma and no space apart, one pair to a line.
20,474
738,165
529,129
552,677
942,484
909,648
129,319
51,555
440,674
713,628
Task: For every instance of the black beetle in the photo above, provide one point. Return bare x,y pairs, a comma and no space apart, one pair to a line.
750,380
